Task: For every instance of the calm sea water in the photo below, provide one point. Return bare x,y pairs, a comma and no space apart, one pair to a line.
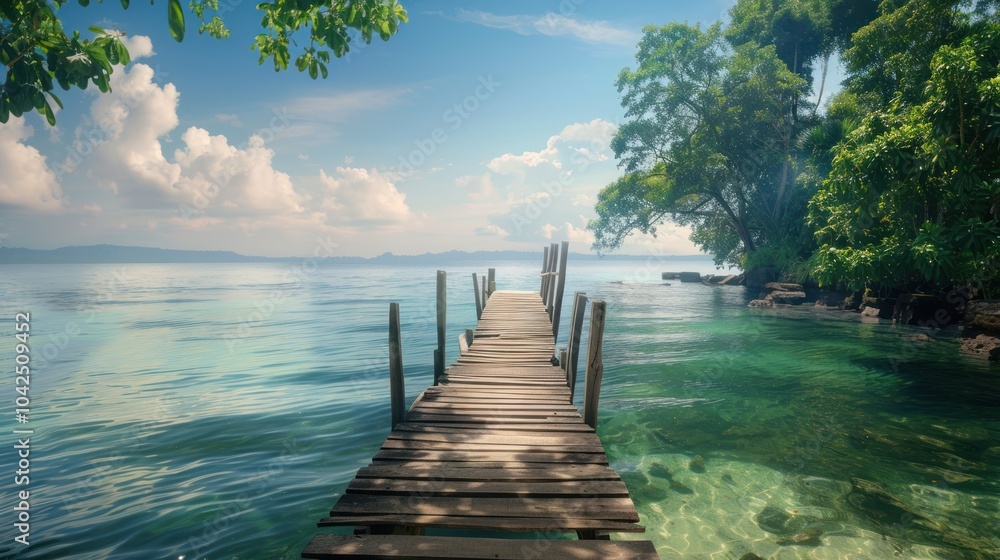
215,411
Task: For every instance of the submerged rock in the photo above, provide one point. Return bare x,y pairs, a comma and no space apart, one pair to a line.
697,464
773,520
679,487
750,556
660,471
808,537
878,503
761,303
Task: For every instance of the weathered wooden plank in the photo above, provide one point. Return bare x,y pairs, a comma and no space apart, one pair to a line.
487,489
406,547
616,509
512,524
489,447
538,474
496,405
464,427
484,456
501,439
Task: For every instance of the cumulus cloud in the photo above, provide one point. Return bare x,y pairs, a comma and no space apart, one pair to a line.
361,196
553,25
139,46
26,181
577,235
245,179
124,132
576,145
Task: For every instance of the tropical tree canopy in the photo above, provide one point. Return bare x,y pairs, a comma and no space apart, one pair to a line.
707,144
37,53
895,185
913,196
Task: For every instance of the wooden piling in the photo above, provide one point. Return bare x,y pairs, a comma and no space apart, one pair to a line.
544,291
550,288
485,299
491,279
573,346
442,303
479,302
396,393
595,365
560,286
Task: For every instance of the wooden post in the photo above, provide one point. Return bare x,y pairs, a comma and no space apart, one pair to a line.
560,286
485,299
479,302
491,280
463,344
544,291
396,393
575,330
469,335
442,303
595,365
562,358
550,288
493,287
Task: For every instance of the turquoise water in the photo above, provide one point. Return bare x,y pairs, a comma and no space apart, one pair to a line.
215,411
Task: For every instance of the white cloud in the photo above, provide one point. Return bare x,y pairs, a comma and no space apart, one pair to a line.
126,126
25,178
577,145
125,131
361,196
510,163
550,193
245,179
553,25
491,230
139,46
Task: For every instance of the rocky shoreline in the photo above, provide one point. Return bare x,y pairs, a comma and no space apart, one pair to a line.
975,322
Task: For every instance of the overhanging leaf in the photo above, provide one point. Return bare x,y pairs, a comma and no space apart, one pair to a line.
175,19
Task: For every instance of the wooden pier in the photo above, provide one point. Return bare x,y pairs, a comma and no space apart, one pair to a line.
496,445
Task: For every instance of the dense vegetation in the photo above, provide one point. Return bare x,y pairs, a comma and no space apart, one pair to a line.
893,182
37,53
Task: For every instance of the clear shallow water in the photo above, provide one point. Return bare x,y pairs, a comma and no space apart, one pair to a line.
214,411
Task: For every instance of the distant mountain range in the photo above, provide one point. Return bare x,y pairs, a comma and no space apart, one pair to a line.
94,254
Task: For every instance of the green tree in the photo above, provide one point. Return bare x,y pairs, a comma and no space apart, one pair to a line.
913,195
36,53
706,145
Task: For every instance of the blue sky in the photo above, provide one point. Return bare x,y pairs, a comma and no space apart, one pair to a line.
478,126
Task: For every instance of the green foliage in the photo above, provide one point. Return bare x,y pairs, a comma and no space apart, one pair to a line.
37,53
708,144
913,194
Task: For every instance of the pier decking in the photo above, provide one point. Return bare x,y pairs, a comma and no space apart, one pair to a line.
497,445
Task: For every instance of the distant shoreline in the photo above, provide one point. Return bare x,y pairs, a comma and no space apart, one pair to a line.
118,254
